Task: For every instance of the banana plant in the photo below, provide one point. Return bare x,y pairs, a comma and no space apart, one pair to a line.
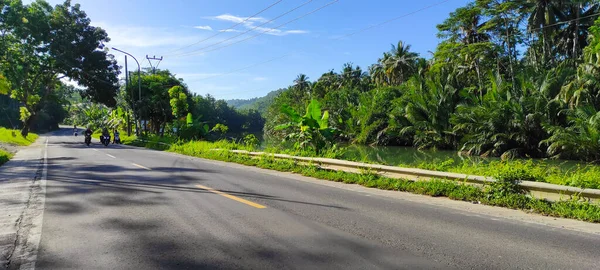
311,131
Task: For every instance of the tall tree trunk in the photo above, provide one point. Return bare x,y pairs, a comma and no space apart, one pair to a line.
510,54
576,34
27,125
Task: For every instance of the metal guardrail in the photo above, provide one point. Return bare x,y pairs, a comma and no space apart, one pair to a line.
547,191
541,190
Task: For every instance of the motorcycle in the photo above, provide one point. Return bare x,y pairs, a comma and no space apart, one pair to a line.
105,139
88,139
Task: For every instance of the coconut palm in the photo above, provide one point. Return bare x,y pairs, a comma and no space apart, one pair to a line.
579,16
400,63
542,14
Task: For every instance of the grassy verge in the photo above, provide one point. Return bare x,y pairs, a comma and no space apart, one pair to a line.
580,175
503,194
13,136
4,156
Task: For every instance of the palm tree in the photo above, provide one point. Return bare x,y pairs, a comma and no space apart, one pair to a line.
401,63
573,36
302,84
542,14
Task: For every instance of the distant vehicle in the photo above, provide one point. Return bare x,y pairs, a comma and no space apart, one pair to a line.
104,139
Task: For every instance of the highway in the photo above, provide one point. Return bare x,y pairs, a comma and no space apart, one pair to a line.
120,207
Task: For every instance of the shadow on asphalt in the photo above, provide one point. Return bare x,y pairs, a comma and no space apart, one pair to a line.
76,191
202,250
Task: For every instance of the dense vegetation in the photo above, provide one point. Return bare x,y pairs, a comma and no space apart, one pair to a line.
510,78
39,45
168,107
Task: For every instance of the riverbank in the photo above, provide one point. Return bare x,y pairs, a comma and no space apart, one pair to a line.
503,194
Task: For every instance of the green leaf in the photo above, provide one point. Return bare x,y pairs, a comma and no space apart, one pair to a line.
4,87
283,126
291,113
189,119
324,123
313,110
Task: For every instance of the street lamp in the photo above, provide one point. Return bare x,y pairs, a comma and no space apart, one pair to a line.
137,130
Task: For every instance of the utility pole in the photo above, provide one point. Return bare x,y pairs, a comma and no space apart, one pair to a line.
126,89
137,131
153,71
154,58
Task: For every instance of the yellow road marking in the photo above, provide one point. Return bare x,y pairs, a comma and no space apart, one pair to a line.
140,166
259,206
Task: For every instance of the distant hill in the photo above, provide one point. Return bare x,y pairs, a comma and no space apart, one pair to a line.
261,104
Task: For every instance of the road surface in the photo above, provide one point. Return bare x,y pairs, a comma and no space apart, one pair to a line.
121,207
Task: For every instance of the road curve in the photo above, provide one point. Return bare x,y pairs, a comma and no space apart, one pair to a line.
121,207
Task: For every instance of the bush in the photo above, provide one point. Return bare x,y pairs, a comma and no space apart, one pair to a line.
4,156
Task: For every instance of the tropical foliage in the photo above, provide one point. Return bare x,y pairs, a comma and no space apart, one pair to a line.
509,79
39,45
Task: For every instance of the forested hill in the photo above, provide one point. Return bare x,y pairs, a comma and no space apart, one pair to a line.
259,103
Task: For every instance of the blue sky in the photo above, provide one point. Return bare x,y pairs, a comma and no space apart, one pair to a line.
311,45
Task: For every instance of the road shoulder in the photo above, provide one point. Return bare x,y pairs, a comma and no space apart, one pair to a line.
22,190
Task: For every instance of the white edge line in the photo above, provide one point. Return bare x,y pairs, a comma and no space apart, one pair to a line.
111,156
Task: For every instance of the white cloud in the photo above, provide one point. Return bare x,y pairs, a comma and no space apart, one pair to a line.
230,31
204,27
277,32
237,19
296,32
251,24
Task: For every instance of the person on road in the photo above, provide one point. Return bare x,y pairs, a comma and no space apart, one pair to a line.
116,135
88,132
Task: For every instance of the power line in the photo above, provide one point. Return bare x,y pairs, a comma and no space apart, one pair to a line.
245,32
338,38
393,19
229,28
268,30
565,22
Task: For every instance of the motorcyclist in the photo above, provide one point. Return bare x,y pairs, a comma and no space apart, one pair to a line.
88,132
105,133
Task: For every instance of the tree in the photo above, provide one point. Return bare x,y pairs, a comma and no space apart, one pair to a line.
399,63
41,44
156,103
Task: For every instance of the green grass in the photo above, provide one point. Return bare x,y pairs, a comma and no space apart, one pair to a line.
503,194
13,136
586,176
4,156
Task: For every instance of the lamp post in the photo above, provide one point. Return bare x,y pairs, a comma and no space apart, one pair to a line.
137,130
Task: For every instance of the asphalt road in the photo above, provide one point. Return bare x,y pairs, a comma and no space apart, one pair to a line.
120,207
